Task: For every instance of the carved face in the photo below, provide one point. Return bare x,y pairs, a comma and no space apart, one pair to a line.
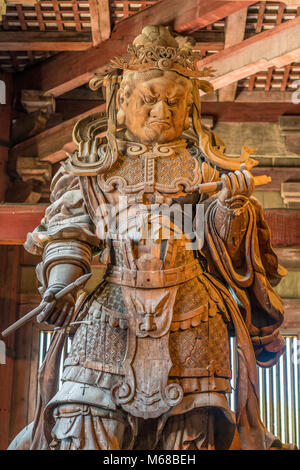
155,109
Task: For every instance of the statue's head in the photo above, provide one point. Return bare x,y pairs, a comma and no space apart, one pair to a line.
157,86
154,106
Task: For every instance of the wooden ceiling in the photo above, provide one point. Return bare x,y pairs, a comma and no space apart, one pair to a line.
32,32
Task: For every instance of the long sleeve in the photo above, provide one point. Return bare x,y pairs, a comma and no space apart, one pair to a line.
66,218
251,281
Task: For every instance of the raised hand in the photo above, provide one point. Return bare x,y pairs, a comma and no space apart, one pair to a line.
237,187
56,312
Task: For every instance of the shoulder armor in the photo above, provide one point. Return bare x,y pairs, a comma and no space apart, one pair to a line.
84,130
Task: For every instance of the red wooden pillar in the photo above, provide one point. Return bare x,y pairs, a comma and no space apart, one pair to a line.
9,292
9,271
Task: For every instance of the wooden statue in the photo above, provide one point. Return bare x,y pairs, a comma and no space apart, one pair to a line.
189,264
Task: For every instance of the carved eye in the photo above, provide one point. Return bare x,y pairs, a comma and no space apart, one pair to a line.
172,102
150,99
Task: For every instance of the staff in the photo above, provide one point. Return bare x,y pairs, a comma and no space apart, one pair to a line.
66,290
217,185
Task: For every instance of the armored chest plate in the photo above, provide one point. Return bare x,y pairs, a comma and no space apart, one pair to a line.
166,169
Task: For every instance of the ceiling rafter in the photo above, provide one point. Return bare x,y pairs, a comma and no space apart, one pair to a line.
234,33
276,47
69,70
100,20
44,41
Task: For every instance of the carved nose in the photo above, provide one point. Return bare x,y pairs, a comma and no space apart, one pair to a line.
148,323
160,111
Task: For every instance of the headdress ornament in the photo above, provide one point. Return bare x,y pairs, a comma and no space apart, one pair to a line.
156,48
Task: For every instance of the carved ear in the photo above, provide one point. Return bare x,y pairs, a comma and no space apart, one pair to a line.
119,99
121,117
187,120
120,102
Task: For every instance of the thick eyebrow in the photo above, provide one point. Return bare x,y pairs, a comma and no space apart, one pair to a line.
175,95
149,91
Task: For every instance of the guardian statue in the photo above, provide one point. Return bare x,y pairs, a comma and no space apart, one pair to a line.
188,264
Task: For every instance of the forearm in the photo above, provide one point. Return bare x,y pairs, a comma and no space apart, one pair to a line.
64,274
65,261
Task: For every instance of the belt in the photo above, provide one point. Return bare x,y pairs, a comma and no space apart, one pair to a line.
152,279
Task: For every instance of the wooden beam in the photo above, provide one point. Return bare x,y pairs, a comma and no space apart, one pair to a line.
252,112
100,20
256,96
9,290
289,257
69,70
16,220
206,36
234,33
25,376
291,313
51,144
279,175
276,47
244,95
21,2
197,14
284,225
44,41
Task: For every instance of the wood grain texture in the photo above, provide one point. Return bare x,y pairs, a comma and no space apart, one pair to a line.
291,313
17,221
9,291
100,20
44,41
278,175
284,225
70,69
52,140
278,46
234,33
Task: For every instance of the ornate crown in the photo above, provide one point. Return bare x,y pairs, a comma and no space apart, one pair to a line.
156,48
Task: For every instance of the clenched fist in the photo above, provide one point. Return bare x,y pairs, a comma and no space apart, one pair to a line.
237,188
56,312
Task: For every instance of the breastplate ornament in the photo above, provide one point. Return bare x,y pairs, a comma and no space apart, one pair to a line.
168,169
